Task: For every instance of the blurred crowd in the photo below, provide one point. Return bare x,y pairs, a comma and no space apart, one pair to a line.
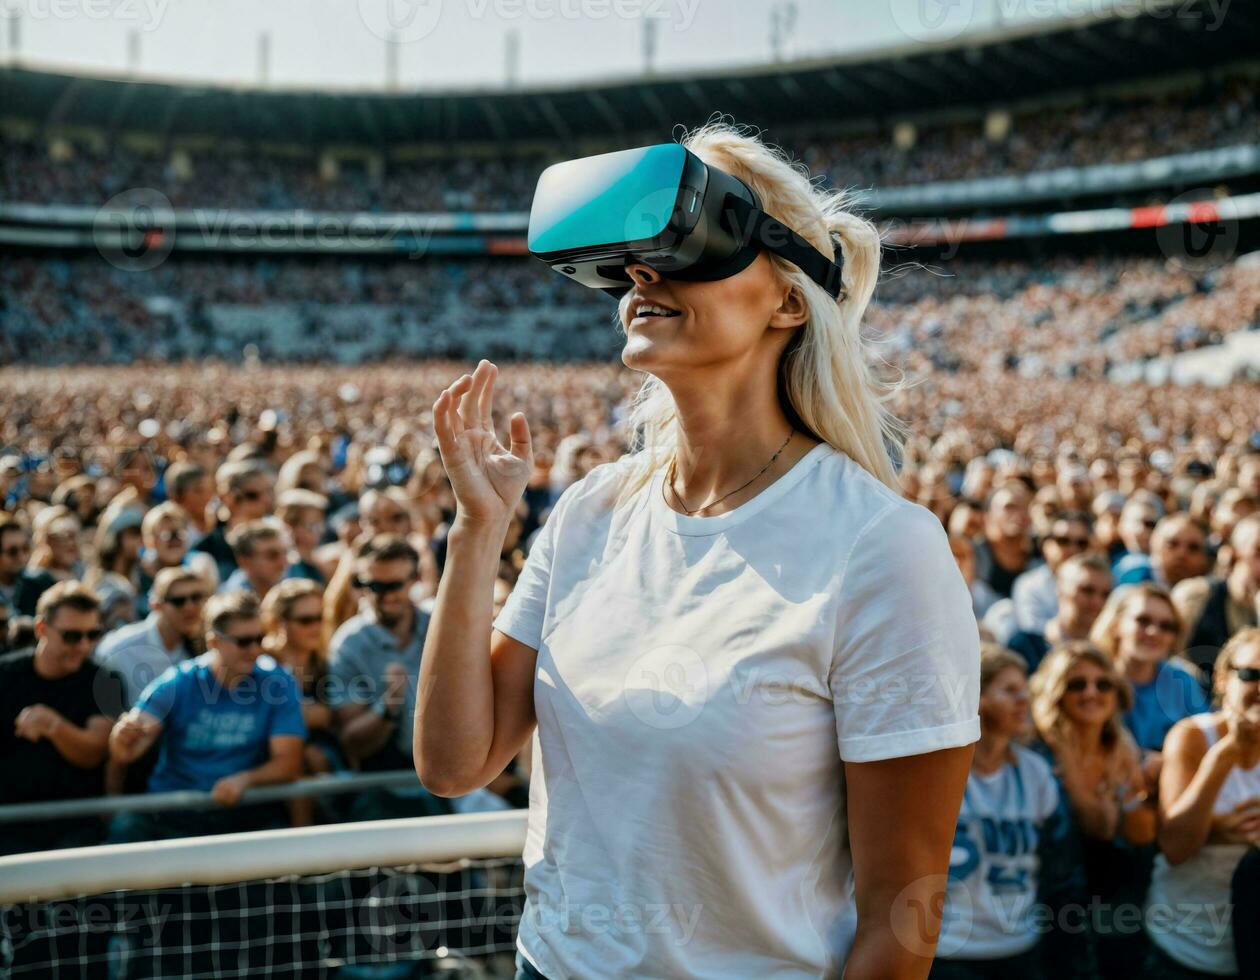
279,534
1202,115
1066,316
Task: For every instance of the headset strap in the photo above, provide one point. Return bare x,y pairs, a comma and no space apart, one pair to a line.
752,224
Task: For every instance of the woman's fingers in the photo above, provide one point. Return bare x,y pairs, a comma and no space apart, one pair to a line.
459,421
485,395
522,445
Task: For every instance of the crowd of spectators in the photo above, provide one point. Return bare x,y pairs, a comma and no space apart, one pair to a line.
1207,114
1066,316
216,577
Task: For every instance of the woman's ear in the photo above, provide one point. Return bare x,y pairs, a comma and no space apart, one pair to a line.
792,312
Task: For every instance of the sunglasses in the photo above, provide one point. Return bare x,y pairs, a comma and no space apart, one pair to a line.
16,551
1063,540
306,620
244,642
1103,685
251,494
166,537
1248,675
379,588
1163,625
1149,525
78,636
179,601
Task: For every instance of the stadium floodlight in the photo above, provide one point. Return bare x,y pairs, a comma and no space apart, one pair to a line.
665,207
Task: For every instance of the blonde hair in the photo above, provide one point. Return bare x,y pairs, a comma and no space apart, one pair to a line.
1224,660
825,383
1106,628
1049,684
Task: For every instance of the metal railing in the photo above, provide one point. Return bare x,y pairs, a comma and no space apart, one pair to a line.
329,785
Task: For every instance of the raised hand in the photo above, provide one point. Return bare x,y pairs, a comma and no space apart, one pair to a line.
486,478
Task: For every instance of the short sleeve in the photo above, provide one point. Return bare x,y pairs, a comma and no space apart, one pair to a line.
159,697
287,717
347,684
905,678
522,615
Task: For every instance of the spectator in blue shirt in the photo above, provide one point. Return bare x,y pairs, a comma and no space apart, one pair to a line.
228,720
1140,629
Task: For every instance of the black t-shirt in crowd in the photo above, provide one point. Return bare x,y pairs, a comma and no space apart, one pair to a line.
36,771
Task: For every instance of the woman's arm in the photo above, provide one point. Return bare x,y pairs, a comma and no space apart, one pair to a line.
1191,779
900,850
1138,822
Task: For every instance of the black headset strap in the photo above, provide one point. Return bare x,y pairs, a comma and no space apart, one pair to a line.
753,224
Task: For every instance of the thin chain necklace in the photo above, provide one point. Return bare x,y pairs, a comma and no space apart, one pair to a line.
673,467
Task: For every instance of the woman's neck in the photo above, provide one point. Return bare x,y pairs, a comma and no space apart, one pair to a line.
1139,671
1088,737
992,752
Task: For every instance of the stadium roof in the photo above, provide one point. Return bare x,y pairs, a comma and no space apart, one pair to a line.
1013,63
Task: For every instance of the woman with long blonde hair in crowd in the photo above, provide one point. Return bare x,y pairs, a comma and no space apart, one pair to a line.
722,599
1078,703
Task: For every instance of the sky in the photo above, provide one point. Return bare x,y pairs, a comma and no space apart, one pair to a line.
442,44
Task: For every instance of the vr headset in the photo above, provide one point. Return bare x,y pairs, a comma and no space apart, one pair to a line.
662,206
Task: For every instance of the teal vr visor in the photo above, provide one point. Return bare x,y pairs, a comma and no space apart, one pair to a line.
662,206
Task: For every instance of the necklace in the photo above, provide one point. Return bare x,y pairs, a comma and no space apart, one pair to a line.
673,465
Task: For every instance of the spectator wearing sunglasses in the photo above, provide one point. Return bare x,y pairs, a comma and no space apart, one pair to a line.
1178,552
53,731
20,586
292,615
1138,518
245,491
226,721
1035,593
1209,798
1078,700
261,548
1082,584
164,538
1219,608
1141,630
141,652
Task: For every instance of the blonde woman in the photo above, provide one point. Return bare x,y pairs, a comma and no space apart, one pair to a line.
1078,699
706,632
1209,798
1141,631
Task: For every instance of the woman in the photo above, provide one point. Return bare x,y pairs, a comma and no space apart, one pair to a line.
1078,700
990,920
1140,629
56,543
1209,799
729,597
292,614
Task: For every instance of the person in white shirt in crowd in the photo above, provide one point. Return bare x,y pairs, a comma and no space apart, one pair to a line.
1209,799
990,926
141,652
731,596
1035,593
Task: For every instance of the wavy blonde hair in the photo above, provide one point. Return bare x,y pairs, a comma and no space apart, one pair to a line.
1048,685
1105,633
826,385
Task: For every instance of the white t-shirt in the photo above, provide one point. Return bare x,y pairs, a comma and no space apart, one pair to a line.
995,865
699,681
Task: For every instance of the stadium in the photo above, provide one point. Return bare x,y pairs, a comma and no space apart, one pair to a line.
228,313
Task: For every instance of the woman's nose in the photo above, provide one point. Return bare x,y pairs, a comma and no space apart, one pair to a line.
643,275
